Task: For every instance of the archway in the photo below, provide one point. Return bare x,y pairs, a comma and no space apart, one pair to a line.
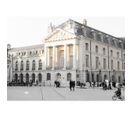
119,79
98,79
33,77
87,77
27,78
16,77
21,78
105,77
48,76
39,77
58,76
69,75
92,77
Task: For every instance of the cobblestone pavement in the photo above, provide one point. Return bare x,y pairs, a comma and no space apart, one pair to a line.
52,93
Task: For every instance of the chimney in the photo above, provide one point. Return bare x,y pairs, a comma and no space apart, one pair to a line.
85,22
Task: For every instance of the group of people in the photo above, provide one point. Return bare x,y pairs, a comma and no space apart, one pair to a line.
22,83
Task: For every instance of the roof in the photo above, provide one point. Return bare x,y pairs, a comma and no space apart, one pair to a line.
84,30
28,47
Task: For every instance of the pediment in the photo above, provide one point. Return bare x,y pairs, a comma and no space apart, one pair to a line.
60,34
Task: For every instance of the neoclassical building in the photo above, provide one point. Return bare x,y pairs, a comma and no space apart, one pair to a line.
73,51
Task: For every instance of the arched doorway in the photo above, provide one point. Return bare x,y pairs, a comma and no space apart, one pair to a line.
27,78
21,78
39,77
48,76
92,77
33,77
87,77
69,75
16,77
119,79
105,77
97,78
58,76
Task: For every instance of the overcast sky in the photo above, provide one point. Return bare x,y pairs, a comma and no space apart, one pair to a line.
24,31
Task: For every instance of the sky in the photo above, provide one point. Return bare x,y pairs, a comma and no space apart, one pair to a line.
25,31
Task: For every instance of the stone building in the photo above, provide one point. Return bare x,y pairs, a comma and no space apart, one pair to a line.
73,51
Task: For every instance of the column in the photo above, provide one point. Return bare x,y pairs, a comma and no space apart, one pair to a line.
56,56
68,63
74,56
53,59
45,58
65,56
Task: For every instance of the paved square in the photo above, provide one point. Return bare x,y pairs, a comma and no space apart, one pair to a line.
52,93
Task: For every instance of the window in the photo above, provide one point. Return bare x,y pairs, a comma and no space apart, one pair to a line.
21,67
104,63
118,65
30,52
117,54
33,65
27,65
96,49
86,46
104,51
40,65
16,65
87,60
111,53
36,52
112,65
98,37
97,62
42,51
105,39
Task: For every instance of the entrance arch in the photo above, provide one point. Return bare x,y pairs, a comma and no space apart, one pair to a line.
58,76
33,77
87,77
92,77
16,77
21,78
69,75
98,79
27,78
40,77
119,79
105,77
48,76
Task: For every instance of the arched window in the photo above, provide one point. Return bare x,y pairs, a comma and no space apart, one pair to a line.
16,65
69,76
33,77
111,53
33,65
118,65
40,64
27,77
96,49
40,77
16,77
22,66
21,78
48,76
27,65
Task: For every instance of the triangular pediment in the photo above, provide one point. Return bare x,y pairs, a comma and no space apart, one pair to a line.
60,34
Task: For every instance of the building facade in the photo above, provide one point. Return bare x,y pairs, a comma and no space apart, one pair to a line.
71,51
